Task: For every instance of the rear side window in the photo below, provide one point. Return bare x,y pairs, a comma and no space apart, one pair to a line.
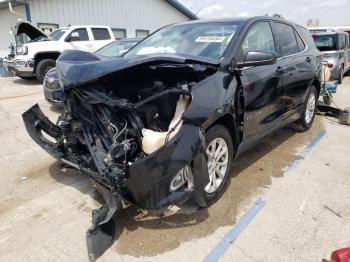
326,42
259,38
285,38
83,34
300,42
307,36
100,33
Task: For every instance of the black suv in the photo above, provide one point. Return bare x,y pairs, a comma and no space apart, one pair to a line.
163,123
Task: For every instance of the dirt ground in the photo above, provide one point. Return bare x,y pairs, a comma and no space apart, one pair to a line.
44,213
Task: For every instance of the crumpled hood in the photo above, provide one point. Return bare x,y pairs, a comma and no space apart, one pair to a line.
75,68
27,28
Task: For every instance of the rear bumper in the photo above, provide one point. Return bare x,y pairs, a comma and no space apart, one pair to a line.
147,181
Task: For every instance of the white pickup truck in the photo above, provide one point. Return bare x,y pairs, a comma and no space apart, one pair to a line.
36,53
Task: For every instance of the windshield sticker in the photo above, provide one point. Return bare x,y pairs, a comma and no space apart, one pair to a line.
210,39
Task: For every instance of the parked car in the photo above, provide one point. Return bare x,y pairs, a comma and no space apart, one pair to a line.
54,91
334,47
163,123
36,53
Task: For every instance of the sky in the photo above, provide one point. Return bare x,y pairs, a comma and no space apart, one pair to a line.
329,12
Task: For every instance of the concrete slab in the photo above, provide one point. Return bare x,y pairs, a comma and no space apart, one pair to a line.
45,213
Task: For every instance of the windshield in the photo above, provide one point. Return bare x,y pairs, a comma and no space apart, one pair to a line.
56,35
116,48
205,40
326,42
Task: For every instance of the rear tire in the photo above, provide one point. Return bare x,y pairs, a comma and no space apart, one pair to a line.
43,67
220,151
341,76
309,109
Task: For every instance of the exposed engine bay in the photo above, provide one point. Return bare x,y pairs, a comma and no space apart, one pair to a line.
109,126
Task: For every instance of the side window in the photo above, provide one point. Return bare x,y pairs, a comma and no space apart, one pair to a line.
100,33
285,38
259,38
300,42
82,34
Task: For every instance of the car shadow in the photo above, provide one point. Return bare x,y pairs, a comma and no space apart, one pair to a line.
27,82
142,233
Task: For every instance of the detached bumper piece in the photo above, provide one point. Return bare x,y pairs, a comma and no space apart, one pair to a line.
36,123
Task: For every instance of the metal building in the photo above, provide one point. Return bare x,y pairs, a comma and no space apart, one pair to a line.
128,18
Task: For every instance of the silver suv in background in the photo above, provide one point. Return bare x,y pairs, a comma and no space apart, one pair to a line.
334,47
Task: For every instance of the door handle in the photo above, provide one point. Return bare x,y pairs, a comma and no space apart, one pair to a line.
280,69
308,59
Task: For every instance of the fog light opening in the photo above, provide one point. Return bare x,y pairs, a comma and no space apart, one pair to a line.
183,178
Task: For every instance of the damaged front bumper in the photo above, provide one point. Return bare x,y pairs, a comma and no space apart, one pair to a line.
146,182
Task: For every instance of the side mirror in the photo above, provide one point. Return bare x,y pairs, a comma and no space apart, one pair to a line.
258,58
74,37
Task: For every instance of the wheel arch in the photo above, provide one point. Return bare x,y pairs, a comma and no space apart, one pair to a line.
45,55
317,84
229,122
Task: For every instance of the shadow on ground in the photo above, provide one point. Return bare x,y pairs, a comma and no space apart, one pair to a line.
26,82
141,233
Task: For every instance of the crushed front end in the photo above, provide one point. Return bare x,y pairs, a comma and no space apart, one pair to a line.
128,135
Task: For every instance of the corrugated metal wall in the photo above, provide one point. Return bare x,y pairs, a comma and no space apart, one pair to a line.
7,20
124,14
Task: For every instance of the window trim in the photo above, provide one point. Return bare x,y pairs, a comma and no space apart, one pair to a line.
121,29
295,31
302,38
142,30
87,31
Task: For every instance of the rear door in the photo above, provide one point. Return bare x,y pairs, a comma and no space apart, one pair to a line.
101,37
261,84
296,66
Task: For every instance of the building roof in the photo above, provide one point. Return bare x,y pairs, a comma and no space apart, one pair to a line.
174,3
181,8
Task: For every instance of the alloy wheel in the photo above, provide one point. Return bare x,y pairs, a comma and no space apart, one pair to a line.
217,153
310,108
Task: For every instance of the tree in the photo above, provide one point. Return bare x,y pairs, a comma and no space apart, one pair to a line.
276,15
313,22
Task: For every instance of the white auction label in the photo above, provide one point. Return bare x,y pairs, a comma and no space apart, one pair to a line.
210,39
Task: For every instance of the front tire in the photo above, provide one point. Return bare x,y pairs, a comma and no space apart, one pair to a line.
309,109
43,67
220,151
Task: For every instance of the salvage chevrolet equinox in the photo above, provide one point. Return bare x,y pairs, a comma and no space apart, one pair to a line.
163,123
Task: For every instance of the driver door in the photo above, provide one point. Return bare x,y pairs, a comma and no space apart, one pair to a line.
83,43
262,89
